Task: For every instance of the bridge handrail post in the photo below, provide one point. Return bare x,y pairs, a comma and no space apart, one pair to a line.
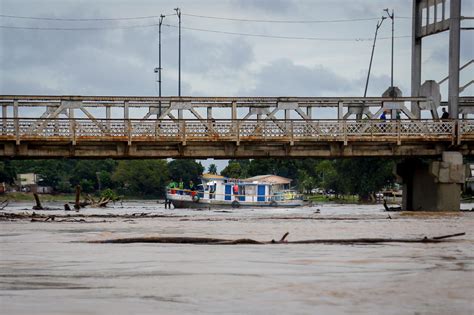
237,131
292,130
73,131
16,121
344,130
129,131
17,130
399,136
371,123
183,130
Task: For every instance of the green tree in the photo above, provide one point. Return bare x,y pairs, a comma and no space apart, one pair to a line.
51,172
91,171
7,172
141,177
366,176
233,170
212,169
186,170
328,177
305,182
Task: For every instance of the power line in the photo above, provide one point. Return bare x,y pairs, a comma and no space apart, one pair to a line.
192,29
283,37
81,19
285,21
191,15
76,28
277,21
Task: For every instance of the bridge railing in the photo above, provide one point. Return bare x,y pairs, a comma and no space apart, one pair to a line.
31,129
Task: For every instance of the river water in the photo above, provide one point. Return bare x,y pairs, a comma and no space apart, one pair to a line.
47,268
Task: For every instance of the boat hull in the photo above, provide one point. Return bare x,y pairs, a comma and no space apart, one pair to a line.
184,201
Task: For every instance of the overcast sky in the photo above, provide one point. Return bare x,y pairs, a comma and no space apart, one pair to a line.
120,61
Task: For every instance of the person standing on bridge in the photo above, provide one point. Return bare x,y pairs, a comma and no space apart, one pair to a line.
445,114
383,117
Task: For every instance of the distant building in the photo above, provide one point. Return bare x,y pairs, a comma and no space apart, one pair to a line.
29,182
25,181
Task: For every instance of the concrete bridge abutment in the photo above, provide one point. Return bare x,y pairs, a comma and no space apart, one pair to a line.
434,185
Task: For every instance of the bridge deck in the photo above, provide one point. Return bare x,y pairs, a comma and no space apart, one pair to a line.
231,138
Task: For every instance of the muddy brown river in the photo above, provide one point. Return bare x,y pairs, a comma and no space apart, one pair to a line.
48,268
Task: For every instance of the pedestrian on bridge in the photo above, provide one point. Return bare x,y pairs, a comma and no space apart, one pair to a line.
445,114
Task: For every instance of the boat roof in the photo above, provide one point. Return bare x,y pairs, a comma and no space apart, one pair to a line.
212,176
273,179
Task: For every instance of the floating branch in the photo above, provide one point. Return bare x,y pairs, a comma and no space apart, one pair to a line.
3,204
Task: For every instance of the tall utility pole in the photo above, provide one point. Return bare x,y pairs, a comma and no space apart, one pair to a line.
392,17
159,62
178,13
379,23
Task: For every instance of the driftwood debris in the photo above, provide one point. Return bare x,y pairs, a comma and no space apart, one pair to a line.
3,204
387,208
38,205
218,241
77,204
101,203
10,216
88,201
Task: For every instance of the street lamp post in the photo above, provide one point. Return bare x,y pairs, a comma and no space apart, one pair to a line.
392,17
379,23
178,13
159,63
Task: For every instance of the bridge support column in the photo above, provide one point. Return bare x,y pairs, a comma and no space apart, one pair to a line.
433,186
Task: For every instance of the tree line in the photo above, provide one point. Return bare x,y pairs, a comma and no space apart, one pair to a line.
356,176
141,178
148,178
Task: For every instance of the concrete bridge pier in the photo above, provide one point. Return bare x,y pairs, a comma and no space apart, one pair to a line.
432,186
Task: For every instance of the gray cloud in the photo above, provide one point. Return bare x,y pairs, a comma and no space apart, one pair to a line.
284,78
208,56
122,61
279,6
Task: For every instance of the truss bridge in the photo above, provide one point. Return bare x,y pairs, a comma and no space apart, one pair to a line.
225,127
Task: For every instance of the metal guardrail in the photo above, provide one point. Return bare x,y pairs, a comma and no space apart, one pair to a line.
130,130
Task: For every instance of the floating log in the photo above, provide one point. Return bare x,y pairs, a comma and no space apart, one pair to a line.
218,241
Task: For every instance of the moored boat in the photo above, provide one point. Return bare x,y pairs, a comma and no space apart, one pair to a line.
217,191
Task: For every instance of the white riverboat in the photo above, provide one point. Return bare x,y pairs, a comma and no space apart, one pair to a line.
217,191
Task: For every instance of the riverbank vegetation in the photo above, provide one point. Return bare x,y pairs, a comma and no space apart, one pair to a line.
361,177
